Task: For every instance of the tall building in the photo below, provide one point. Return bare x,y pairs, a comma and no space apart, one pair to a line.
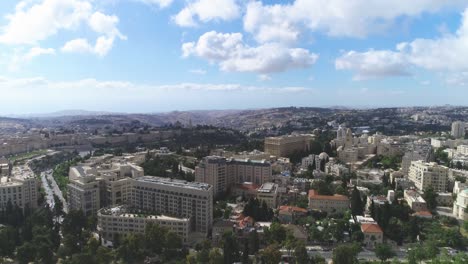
177,198
222,173
83,190
20,188
285,145
103,184
424,175
458,129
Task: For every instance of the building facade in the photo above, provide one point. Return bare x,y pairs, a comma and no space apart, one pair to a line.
285,145
328,203
425,175
222,173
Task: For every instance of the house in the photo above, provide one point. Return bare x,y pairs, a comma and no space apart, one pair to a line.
328,203
373,234
290,214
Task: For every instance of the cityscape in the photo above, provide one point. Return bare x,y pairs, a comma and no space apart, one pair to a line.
233,132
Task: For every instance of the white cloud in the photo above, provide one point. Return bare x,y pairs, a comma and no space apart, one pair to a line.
233,55
105,24
101,48
373,64
35,22
443,54
198,71
19,57
38,51
206,11
356,18
264,77
160,3
78,46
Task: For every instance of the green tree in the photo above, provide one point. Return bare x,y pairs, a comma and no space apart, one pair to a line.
384,252
271,254
357,206
230,248
215,257
431,198
346,254
300,253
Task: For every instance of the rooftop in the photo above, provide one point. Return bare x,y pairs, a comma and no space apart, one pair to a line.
371,228
174,183
314,195
123,211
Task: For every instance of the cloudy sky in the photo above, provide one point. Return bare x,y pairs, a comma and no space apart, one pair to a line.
163,55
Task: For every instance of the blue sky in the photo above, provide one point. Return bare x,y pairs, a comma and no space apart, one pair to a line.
164,55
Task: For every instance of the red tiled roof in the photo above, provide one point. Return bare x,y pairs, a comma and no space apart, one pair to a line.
371,228
313,195
292,208
246,186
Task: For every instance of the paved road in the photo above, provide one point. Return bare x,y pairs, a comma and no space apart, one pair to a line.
48,190
55,189
364,254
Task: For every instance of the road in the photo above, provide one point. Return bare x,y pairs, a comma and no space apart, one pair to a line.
52,189
48,190
364,254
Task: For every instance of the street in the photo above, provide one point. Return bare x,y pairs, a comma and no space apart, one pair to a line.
52,189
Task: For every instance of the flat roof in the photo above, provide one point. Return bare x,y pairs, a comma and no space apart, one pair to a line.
174,183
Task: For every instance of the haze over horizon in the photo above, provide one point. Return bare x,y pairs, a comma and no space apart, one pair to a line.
146,56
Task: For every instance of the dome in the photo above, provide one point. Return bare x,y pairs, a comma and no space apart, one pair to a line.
323,156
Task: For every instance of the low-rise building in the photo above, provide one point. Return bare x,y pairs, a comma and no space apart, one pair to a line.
373,234
328,203
290,214
415,201
268,193
121,221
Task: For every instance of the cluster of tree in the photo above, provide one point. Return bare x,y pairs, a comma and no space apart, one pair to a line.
441,157
396,221
258,210
166,166
60,172
32,237
386,162
431,198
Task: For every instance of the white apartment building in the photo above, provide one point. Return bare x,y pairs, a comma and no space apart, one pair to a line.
122,221
460,206
424,175
21,188
83,190
222,173
308,161
268,192
178,198
462,149
102,185
458,129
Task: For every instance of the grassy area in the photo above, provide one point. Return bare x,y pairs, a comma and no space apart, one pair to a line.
28,155
60,173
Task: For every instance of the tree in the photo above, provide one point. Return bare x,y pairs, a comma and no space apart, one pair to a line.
231,248
431,198
8,238
271,254
26,253
215,257
275,233
300,253
384,252
253,242
346,254
356,202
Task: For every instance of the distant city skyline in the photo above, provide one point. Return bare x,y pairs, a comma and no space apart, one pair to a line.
147,56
